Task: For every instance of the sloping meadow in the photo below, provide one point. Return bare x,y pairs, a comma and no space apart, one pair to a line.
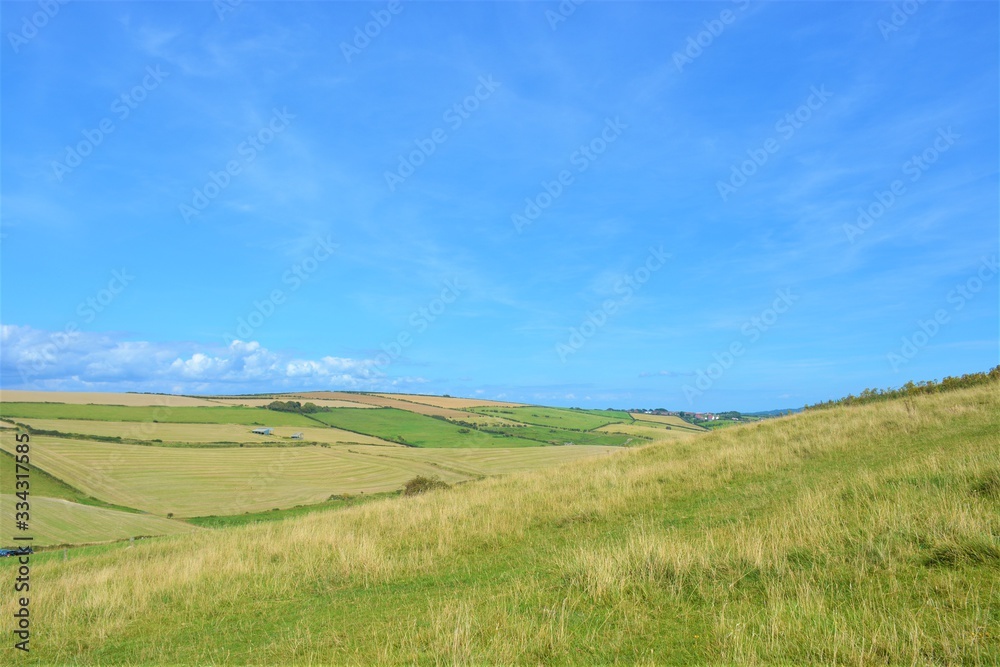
851,535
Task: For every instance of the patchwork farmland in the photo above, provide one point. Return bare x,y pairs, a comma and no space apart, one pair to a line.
115,466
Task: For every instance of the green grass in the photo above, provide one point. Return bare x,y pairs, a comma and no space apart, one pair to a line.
414,429
150,415
335,503
574,420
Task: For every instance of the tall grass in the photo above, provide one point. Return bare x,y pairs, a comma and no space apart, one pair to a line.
854,535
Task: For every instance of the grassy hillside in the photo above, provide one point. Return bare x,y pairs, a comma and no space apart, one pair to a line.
856,535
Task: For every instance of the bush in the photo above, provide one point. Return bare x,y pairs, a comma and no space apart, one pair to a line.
421,484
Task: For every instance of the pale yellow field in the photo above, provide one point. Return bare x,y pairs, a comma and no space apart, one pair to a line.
98,398
670,420
378,400
202,433
449,401
650,431
197,481
56,521
258,402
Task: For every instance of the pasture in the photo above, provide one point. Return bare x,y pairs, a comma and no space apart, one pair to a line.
448,401
414,429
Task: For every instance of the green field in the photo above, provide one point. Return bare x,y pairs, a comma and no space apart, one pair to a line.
574,420
850,535
560,436
414,429
150,415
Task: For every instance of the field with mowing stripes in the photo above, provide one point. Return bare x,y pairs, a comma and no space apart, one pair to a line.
194,481
56,521
647,430
576,420
202,434
191,415
448,401
99,398
669,420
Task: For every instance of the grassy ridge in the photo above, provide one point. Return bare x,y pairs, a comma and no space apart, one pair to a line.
149,415
414,429
858,535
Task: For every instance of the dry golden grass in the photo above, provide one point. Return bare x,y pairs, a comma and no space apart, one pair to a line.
98,398
450,401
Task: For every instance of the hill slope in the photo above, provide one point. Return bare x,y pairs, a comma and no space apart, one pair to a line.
859,535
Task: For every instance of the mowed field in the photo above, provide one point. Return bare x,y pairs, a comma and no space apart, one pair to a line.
190,482
384,401
202,434
55,521
576,420
648,430
189,415
669,420
263,402
197,481
98,398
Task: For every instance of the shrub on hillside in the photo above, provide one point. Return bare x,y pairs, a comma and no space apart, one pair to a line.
421,484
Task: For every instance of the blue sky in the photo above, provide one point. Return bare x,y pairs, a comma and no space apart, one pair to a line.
626,204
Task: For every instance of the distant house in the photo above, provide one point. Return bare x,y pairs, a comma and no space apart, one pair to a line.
263,431
296,436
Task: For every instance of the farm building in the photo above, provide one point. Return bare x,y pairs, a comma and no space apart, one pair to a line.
263,431
296,436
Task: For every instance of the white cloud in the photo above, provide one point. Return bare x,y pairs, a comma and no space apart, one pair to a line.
35,359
